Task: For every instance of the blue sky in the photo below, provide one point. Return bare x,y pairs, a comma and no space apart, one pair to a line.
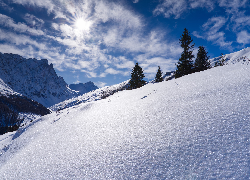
101,40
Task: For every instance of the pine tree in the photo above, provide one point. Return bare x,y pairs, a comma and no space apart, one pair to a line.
221,61
137,76
185,63
202,60
158,76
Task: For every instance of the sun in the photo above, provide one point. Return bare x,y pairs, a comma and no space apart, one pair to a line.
82,24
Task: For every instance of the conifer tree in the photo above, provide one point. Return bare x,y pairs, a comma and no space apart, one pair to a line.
185,63
221,61
202,60
158,76
137,76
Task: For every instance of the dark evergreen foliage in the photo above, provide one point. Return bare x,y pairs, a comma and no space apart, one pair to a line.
221,61
137,76
185,63
11,106
202,60
158,76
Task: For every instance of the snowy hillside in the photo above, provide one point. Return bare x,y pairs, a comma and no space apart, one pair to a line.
34,78
194,127
94,95
242,56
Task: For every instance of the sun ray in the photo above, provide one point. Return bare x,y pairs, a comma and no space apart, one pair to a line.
82,24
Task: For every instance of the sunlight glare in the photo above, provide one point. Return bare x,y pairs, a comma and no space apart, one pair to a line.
82,24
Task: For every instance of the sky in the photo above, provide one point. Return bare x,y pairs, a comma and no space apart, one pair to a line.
101,40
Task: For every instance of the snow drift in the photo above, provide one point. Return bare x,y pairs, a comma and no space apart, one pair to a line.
194,127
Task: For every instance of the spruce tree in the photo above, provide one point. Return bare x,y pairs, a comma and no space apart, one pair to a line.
202,60
185,63
137,76
158,76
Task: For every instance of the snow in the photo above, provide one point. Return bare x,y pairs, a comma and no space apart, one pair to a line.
34,79
5,89
194,127
242,56
94,95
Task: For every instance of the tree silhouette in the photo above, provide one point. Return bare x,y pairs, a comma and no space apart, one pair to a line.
137,76
158,76
185,63
201,62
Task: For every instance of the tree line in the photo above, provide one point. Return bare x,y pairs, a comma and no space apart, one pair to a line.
184,66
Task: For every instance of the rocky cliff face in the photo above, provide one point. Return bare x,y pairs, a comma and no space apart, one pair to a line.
34,78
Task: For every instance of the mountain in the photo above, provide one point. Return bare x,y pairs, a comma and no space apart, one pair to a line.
83,88
12,104
193,127
95,95
242,56
5,89
34,78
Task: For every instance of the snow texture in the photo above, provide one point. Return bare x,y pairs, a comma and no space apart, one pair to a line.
194,127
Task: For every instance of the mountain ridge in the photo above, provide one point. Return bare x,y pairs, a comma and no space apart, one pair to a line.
35,79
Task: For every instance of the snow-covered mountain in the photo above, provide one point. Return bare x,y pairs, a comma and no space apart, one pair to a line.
242,56
193,127
14,107
5,89
34,78
83,88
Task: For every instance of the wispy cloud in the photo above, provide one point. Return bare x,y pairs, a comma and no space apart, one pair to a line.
135,1
113,29
19,39
234,19
5,6
171,8
212,32
243,37
19,27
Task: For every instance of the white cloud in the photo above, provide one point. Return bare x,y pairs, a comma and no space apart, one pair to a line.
33,21
55,26
19,27
100,84
48,4
243,37
5,6
212,31
84,64
176,9
214,24
112,71
232,5
171,8
111,24
208,4
135,1
19,39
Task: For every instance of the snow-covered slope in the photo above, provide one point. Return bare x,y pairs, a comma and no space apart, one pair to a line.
34,78
5,89
83,88
242,56
94,95
194,127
